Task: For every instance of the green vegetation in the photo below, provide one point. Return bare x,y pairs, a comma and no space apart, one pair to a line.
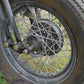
2,80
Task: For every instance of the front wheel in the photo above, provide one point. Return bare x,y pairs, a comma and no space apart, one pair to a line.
57,35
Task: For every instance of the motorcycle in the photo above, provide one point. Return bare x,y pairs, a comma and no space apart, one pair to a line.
41,41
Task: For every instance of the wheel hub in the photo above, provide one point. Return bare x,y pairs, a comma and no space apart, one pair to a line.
46,37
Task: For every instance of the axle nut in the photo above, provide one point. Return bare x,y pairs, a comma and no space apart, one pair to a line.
25,51
15,47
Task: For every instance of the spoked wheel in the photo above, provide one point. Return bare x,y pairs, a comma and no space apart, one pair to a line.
53,47
53,42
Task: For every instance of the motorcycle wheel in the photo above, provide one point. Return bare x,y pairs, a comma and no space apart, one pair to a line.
60,64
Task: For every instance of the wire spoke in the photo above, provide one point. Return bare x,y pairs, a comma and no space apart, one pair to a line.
55,41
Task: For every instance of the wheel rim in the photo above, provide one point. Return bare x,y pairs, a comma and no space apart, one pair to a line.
42,65
48,66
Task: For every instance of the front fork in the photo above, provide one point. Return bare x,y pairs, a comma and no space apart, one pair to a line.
19,47
9,14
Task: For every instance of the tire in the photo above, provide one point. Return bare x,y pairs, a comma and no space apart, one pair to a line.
72,12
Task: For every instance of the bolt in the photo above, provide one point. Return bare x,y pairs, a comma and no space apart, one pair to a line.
26,51
15,47
6,44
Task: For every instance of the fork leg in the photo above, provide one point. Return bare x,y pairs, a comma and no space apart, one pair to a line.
8,43
9,13
11,19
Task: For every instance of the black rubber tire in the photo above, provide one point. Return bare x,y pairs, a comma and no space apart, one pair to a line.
73,13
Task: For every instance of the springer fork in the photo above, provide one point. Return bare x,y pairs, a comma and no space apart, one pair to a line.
19,46
5,5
